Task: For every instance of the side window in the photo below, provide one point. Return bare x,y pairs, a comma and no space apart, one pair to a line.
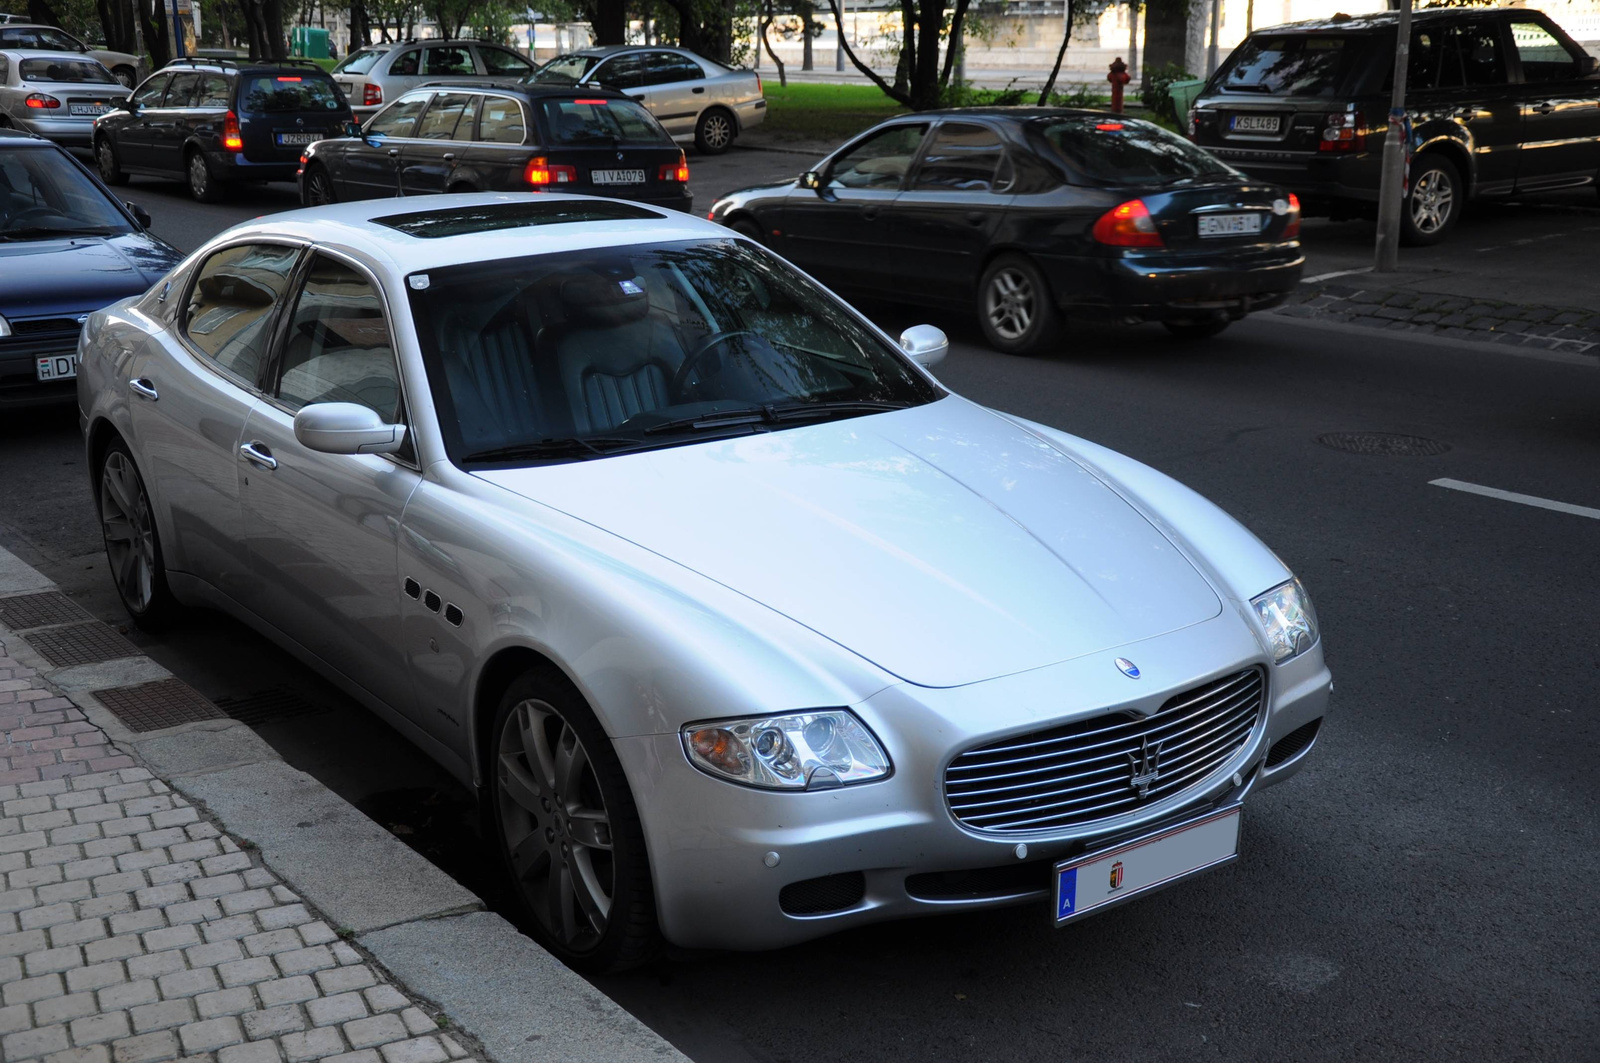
443,116
230,305
405,64
879,162
622,72
399,119
1544,58
5,68
668,68
502,121
215,91
338,347
465,129
444,60
498,62
149,94
181,93
1482,62
962,158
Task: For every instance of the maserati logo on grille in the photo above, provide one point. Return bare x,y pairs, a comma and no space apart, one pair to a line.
1146,767
1116,875
1127,668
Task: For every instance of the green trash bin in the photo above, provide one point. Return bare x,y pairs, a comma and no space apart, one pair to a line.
309,42
1183,95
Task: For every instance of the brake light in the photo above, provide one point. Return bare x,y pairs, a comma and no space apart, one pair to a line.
674,171
541,174
1344,132
231,140
1127,225
592,103
1109,127
371,95
1292,229
39,101
288,79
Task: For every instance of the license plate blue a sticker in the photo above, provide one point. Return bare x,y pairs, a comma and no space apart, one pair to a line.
1067,894
1115,874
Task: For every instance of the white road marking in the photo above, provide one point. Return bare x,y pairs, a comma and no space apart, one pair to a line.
1336,273
1520,499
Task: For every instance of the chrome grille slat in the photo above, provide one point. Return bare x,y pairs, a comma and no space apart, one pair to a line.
1080,772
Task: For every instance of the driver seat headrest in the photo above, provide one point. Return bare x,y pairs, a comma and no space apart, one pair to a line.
599,301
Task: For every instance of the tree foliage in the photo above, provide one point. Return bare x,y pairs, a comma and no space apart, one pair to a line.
921,80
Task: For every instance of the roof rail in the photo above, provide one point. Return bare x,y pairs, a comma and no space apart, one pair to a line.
238,64
474,83
187,60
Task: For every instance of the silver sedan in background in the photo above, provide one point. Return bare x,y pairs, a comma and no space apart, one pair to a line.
693,97
57,95
745,629
21,35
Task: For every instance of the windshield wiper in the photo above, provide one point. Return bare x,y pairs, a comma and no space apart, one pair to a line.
34,232
777,414
567,447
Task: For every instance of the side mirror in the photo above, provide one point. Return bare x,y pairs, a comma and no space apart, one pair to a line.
346,428
352,128
926,344
1587,65
140,215
130,105
811,179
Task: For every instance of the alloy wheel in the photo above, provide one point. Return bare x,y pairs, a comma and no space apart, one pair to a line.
718,132
1009,304
199,176
318,190
555,826
107,159
125,521
1432,201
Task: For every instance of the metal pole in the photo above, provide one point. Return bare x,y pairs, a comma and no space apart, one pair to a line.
838,51
1216,25
177,32
1391,192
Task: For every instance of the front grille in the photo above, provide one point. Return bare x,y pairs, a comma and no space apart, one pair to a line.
1294,743
40,325
830,893
1082,772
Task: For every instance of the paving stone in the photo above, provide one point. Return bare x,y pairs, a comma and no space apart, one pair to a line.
305,961
344,979
160,896
129,994
225,1002
193,911
218,865
167,874
137,921
248,901
171,937
65,1009
1537,313
379,1029
156,964
27,990
210,1035
195,848
250,971
163,1016
272,942
96,976
384,998
235,926
213,953
188,983
110,904
326,1011
218,885
284,916
286,991
417,1050
14,1018
64,891
313,1044
146,1048
89,1054
108,847
251,1052
49,915
46,960
273,1022
318,933
366,1055
418,1021
98,1029
27,1044
77,933
346,953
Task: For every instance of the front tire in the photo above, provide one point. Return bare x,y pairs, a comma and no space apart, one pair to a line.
747,228
133,545
714,132
1015,307
108,162
568,829
127,75
319,188
203,184
1433,202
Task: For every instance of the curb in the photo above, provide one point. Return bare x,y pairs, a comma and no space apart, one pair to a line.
438,940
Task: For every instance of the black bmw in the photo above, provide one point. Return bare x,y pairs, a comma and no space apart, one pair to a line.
1035,215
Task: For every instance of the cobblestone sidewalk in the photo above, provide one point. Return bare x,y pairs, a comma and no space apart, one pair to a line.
132,930
1549,328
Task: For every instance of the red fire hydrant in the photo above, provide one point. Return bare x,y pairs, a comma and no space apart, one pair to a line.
1118,78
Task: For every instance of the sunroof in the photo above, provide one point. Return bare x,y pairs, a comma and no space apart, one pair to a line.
492,217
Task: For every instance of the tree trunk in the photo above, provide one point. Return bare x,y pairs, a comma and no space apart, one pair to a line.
272,23
610,18
956,43
1061,53
41,11
894,92
766,20
808,30
153,19
1166,32
116,16
925,71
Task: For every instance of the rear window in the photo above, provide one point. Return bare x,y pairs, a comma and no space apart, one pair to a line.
1123,151
66,71
1292,65
360,62
280,93
566,69
602,121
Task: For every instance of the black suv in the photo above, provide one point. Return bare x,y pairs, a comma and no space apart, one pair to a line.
216,121
1500,101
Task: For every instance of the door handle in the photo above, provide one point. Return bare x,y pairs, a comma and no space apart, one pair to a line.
141,386
449,156
1467,115
698,89
975,217
393,152
256,453
870,212
1544,107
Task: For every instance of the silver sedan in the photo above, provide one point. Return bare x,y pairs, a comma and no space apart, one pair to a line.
744,627
56,95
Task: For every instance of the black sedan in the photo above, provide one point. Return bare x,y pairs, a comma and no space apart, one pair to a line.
469,137
1035,214
67,248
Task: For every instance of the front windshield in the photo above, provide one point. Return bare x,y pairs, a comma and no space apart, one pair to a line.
66,72
38,39
43,194
565,69
580,354
1110,149
360,62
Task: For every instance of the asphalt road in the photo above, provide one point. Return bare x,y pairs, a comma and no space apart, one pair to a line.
1422,890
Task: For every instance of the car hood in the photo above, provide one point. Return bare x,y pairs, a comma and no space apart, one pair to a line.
46,278
942,543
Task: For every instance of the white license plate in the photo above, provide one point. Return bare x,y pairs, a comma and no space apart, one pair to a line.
1113,875
58,366
1254,123
88,108
617,177
298,138
1229,224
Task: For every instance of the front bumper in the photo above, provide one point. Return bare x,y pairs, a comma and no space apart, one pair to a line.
1158,283
711,841
19,374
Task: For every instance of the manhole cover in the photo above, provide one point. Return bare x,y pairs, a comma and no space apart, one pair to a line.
81,644
164,703
36,610
1387,443
265,706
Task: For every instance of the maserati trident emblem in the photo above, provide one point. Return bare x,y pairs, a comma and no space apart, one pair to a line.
1127,668
1146,767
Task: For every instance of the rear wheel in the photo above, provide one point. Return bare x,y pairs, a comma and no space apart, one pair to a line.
203,184
109,165
568,828
1015,308
715,131
127,75
1433,202
1196,328
133,547
319,188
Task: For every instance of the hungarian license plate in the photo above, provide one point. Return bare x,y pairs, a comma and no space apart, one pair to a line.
1110,876
88,108
1229,224
299,138
617,177
1254,123
57,366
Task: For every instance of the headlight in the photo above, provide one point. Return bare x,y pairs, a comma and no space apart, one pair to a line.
804,751
1287,619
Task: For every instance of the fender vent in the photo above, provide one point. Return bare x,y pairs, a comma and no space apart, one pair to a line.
413,588
830,893
452,615
431,600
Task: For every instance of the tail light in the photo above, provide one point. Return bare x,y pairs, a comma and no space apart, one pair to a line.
1127,225
1292,229
231,140
39,101
1194,123
1344,132
541,174
371,95
674,171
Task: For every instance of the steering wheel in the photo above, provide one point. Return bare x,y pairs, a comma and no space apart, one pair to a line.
28,212
712,342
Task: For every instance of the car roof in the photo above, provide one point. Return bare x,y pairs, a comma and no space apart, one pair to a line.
1367,23
356,227
614,49
39,53
21,138
1020,113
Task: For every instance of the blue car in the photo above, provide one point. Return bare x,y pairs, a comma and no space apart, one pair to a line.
67,248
